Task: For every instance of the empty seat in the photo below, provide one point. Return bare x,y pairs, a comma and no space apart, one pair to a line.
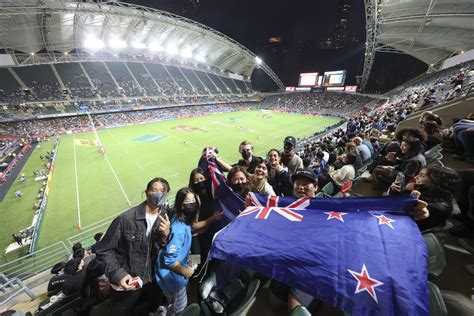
300,311
437,305
436,254
328,189
192,310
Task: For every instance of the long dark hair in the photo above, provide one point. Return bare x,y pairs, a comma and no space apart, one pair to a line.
444,183
194,172
415,132
416,147
232,172
158,179
178,206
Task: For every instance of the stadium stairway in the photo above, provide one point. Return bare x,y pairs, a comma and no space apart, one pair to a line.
38,285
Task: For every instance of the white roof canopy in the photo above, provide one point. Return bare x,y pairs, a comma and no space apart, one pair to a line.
429,30
30,26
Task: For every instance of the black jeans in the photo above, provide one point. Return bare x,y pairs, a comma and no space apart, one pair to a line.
138,302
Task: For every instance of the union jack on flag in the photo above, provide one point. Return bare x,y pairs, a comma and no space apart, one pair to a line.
216,176
272,203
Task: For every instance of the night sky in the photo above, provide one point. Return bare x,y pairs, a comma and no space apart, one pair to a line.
301,24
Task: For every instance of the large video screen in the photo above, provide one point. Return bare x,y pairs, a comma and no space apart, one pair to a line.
334,78
308,79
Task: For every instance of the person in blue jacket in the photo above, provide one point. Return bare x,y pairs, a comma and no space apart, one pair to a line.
172,268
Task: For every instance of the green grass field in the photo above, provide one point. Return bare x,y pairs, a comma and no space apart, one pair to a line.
137,153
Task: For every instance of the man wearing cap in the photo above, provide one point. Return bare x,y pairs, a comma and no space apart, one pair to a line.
289,158
305,184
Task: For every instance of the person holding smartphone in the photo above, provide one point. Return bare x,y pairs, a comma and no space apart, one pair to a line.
172,267
129,250
435,185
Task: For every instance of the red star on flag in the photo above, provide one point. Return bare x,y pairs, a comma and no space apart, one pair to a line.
336,215
365,282
385,220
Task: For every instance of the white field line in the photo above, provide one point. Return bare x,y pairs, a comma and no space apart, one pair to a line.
77,182
148,163
185,141
139,166
223,124
119,142
116,178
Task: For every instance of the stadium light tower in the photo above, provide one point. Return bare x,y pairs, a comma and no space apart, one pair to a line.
258,60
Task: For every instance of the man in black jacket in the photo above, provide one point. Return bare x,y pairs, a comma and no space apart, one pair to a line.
130,246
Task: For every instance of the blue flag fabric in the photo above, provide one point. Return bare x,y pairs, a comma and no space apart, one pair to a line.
362,255
230,203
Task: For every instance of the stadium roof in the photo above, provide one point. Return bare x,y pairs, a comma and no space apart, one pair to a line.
32,26
429,30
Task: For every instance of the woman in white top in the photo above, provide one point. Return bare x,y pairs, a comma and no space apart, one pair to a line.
345,173
258,180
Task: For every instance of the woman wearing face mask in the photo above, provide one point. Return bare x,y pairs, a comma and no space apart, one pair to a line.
237,179
172,267
129,249
202,237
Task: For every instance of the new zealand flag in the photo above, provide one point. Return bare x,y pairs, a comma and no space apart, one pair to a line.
365,256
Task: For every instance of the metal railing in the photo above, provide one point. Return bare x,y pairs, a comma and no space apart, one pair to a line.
7,285
35,262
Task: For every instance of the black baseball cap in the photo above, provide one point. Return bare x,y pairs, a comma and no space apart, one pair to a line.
290,139
305,173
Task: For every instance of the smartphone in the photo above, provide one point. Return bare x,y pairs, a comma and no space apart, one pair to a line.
400,179
195,259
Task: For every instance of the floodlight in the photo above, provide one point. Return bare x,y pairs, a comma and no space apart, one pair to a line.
155,47
186,53
138,45
93,43
258,60
201,58
117,43
172,50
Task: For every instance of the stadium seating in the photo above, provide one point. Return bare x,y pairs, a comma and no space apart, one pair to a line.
124,79
42,82
219,84
75,80
300,311
204,77
145,79
181,80
436,254
166,83
200,88
101,79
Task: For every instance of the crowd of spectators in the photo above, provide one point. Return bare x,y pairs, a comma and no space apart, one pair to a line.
402,162
318,103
